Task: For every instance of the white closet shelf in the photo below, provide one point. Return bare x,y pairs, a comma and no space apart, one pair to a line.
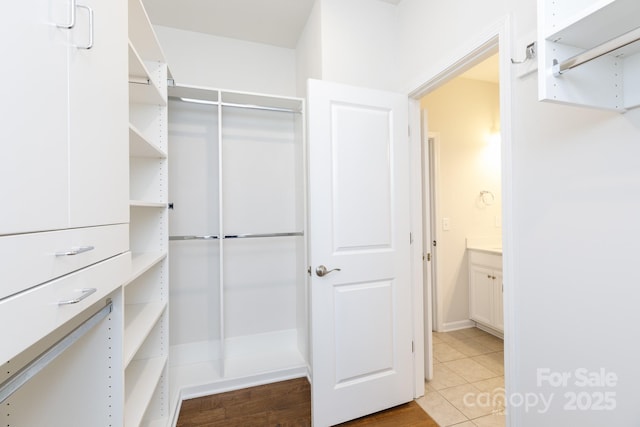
141,93
261,353
163,422
141,262
146,329
142,377
139,321
585,60
591,25
146,204
142,36
140,146
137,69
217,97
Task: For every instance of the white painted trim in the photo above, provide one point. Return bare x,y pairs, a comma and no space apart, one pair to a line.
417,265
429,194
437,236
457,325
231,384
498,35
490,330
508,252
479,48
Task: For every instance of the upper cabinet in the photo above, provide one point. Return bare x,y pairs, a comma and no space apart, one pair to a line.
98,132
34,161
588,53
64,134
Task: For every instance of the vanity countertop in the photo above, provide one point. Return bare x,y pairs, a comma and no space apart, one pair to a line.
492,245
486,248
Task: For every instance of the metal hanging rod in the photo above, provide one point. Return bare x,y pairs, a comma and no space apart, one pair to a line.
237,236
235,105
195,100
21,377
596,52
211,237
259,107
139,80
253,236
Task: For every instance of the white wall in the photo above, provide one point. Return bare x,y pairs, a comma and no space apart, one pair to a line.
205,60
359,42
309,51
575,227
575,181
463,113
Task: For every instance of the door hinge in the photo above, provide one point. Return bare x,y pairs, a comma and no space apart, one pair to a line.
413,347
410,239
428,256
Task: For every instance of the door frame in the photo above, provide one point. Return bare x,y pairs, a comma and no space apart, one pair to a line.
496,36
431,163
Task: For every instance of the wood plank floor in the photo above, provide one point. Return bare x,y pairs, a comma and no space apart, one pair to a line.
283,404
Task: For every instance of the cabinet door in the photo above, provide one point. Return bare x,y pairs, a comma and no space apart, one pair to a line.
33,135
481,291
498,307
98,109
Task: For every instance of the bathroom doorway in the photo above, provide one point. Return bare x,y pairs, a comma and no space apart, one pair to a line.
462,182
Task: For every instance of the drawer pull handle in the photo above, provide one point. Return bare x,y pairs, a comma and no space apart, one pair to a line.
85,293
76,251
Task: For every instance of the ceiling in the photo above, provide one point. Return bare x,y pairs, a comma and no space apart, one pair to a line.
273,22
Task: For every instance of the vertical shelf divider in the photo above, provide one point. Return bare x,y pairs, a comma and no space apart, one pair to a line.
146,294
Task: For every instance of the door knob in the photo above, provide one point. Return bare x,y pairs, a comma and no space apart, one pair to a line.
322,270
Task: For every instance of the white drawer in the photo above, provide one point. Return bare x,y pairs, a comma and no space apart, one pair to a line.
26,260
31,315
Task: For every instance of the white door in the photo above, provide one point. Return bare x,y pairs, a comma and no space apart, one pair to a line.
428,257
99,115
33,135
359,225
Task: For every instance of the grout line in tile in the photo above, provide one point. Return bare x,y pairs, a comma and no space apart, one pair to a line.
460,337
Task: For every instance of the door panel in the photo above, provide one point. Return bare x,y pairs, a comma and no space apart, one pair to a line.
359,225
99,116
481,290
34,161
364,332
361,142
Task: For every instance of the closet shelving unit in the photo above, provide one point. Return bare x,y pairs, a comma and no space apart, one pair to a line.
588,53
238,240
146,295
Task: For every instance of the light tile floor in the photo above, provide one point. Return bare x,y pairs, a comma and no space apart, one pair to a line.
467,389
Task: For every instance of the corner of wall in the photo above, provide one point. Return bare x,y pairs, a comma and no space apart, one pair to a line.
309,51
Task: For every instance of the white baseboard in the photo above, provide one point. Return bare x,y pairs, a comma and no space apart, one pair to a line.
455,326
490,330
231,384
